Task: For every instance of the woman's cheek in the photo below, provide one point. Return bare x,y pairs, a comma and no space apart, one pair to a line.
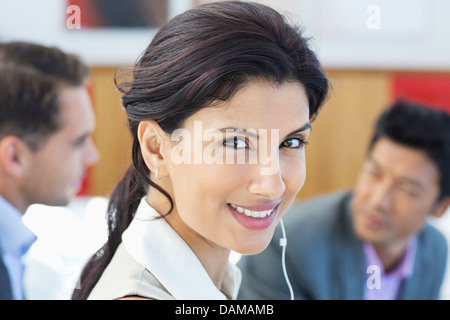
294,173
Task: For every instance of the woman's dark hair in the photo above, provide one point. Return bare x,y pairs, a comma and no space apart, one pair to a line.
205,54
421,127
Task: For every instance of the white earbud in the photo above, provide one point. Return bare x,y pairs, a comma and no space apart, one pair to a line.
283,244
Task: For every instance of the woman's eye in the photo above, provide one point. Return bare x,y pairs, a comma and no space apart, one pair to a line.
294,143
235,142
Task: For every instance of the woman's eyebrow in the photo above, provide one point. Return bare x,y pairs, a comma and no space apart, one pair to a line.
247,132
306,126
252,132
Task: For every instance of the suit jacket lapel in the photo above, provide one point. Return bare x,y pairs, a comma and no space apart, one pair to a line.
5,285
420,279
351,259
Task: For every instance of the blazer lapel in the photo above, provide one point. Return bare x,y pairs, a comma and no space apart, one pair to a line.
5,285
351,259
411,287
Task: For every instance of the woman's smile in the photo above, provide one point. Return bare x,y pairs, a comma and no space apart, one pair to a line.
255,217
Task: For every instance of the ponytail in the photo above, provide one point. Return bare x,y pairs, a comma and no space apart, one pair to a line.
122,206
123,203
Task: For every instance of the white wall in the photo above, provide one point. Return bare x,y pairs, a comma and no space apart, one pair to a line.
412,34
44,21
400,34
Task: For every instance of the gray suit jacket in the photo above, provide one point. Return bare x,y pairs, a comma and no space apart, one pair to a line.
5,286
325,260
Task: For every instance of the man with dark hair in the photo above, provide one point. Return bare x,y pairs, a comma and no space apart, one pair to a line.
46,122
373,242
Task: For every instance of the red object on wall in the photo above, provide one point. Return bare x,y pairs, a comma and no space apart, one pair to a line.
89,15
429,89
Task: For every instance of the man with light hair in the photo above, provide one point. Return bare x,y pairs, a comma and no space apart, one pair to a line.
46,123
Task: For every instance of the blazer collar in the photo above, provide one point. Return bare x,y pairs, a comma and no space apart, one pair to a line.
153,243
350,254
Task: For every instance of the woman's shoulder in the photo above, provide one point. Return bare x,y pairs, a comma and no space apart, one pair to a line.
125,278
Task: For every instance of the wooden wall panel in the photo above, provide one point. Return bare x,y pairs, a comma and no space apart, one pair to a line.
341,133
111,135
337,144
334,155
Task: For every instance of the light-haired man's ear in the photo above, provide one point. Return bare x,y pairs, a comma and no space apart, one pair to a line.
441,207
151,139
13,155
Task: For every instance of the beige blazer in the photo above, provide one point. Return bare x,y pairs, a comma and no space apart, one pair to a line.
153,261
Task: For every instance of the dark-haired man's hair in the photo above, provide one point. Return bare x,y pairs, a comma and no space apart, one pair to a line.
421,127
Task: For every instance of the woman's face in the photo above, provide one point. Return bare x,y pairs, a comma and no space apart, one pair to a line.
234,168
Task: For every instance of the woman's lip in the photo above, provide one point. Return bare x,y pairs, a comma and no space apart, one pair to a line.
258,207
255,223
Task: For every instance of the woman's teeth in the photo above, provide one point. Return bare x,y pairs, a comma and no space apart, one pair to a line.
250,213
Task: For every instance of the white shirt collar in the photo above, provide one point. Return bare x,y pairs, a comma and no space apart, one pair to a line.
154,244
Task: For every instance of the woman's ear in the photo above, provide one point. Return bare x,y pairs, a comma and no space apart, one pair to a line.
14,155
441,207
151,137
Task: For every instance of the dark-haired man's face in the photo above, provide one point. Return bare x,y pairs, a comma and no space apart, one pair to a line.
397,189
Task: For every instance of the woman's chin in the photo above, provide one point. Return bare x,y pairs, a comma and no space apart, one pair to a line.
252,248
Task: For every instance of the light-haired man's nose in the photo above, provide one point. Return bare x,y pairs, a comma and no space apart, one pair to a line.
91,153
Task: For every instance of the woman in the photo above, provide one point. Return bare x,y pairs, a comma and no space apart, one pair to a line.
219,108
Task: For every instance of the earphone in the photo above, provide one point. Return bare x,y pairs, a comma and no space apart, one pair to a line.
283,244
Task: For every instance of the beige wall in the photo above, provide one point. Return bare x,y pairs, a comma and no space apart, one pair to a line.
111,135
338,140
342,131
